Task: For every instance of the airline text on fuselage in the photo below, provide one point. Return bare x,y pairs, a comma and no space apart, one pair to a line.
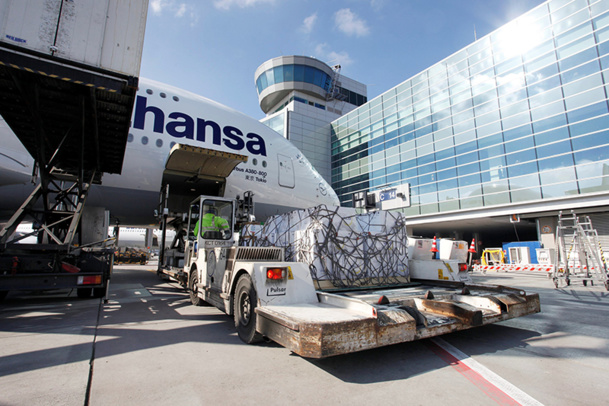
184,126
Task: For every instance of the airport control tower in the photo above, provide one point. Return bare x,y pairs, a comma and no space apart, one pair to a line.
301,96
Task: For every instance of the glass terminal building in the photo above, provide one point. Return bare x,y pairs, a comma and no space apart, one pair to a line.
501,135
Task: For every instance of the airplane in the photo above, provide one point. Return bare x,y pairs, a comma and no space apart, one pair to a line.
129,237
279,175
137,237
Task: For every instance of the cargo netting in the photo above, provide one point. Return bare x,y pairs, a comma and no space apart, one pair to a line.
342,248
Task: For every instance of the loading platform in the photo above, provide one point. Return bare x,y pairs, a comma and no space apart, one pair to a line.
74,121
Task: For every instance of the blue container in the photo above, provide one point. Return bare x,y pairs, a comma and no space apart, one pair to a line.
532,249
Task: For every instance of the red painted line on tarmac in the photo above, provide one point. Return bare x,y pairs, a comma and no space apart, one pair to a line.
474,377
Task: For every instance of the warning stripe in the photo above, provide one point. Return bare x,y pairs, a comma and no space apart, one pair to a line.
497,388
514,267
53,76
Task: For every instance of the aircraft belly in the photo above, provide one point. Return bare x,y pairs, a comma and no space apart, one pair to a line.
132,207
11,177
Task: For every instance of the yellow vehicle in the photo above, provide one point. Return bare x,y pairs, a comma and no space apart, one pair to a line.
493,256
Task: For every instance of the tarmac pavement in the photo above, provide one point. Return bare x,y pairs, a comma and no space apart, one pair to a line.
149,345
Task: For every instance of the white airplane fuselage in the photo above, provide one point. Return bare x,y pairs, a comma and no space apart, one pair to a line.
278,174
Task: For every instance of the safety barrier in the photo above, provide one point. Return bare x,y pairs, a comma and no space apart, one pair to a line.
513,268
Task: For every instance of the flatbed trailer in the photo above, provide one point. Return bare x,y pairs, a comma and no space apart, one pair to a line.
345,322
38,267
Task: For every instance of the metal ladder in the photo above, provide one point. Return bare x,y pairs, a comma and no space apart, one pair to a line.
333,88
579,253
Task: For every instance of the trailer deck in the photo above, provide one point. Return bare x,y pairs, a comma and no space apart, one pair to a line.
341,323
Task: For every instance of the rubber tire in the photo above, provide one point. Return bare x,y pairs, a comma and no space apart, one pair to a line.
84,293
193,290
244,310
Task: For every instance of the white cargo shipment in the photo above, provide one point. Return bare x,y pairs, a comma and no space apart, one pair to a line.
420,248
102,34
341,247
546,256
453,249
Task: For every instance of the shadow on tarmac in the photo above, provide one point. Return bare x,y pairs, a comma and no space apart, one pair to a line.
403,361
137,316
144,312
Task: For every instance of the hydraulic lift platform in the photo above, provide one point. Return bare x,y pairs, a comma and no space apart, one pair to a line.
74,120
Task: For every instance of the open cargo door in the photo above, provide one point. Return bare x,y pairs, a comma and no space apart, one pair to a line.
189,172
192,171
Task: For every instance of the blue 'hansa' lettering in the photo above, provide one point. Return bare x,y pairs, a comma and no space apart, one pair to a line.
181,125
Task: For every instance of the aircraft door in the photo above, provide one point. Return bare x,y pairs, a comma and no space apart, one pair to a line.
286,171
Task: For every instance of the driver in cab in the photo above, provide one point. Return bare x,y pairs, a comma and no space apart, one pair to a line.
212,225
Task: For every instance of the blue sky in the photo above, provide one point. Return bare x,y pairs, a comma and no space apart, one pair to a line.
213,47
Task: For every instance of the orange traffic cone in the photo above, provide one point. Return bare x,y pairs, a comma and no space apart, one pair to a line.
434,246
472,246
470,256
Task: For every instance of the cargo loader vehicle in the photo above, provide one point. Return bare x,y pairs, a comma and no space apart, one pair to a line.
69,72
313,315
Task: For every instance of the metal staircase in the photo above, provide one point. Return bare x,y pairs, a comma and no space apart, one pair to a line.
579,253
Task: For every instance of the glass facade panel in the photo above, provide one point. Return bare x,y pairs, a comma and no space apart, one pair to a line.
270,77
448,200
544,80
511,118
516,120
276,123
288,73
559,190
299,73
574,47
540,57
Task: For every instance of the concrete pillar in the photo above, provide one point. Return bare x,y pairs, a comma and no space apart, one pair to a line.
148,240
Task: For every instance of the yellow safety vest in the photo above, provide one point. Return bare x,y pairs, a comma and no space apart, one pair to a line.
210,222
